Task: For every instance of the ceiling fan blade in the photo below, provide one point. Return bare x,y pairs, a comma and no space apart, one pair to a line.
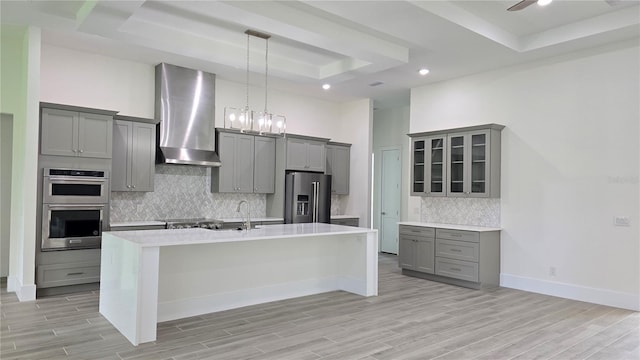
521,5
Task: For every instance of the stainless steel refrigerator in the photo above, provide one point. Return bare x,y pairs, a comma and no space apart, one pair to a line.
307,198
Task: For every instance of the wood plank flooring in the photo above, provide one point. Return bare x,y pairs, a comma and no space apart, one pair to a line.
410,319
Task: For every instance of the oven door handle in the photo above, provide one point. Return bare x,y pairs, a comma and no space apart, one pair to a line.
77,179
74,206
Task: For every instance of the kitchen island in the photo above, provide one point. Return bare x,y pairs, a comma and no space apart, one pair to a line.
153,276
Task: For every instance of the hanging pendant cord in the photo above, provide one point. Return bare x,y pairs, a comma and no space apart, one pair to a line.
266,74
247,106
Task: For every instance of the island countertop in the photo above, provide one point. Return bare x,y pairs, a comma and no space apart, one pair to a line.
155,238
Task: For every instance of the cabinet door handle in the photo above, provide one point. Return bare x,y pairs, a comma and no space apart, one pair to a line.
383,213
133,186
75,273
81,151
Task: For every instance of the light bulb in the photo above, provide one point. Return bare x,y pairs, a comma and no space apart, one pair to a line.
279,124
241,118
423,71
232,117
326,86
544,2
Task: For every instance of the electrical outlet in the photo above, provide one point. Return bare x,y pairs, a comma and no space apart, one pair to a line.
552,271
621,221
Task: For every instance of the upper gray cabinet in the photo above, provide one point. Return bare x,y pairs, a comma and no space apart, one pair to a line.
264,170
66,132
248,163
462,162
134,149
428,169
338,166
306,154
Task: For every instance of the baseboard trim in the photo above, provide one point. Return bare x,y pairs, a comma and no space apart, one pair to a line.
573,292
24,292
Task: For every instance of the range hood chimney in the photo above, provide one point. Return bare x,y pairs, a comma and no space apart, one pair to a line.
185,105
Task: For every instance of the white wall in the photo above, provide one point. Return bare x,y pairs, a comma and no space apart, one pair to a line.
20,81
356,128
82,79
570,163
390,129
6,144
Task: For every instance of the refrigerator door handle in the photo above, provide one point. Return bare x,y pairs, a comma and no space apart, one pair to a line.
315,201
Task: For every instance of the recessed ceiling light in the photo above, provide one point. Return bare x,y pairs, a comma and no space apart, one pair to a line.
326,86
544,2
423,71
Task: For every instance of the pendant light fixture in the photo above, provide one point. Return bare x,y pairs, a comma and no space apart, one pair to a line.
245,119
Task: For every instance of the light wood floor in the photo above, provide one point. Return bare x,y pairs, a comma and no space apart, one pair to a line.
411,319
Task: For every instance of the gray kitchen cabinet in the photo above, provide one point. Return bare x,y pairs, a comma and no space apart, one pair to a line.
416,248
264,171
73,133
463,162
235,175
53,275
466,258
248,163
428,170
338,166
306,154
133,162
346,221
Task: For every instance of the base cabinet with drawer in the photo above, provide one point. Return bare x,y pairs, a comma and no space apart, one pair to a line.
68,274
468,257
415,248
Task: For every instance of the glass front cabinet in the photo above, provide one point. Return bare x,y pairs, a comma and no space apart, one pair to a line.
429,166
461,162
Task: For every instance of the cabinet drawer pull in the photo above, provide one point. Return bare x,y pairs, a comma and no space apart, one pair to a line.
75,273
455,269
455,250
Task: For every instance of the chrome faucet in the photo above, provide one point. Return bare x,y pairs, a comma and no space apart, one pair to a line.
247,224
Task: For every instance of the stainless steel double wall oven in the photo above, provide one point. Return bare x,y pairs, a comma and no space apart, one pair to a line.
73,208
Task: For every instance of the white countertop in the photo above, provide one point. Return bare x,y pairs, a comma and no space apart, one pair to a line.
152,238
345,217
450,226
138,223
237,219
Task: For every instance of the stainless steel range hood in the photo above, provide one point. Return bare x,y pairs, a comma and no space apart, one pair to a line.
185,105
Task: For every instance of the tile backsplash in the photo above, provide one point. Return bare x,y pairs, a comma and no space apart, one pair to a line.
461,211
181,191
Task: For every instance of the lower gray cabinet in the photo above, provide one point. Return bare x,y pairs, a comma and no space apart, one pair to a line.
134,149
346,221
460,257
67,274
338,166
416,248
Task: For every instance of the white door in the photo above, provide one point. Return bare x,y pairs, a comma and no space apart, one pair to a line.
390,200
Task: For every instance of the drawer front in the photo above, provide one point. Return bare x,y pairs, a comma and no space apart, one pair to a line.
463,270
417,230
67,274
458,250
458,235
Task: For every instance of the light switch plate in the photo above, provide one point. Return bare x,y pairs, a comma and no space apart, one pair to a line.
621,221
